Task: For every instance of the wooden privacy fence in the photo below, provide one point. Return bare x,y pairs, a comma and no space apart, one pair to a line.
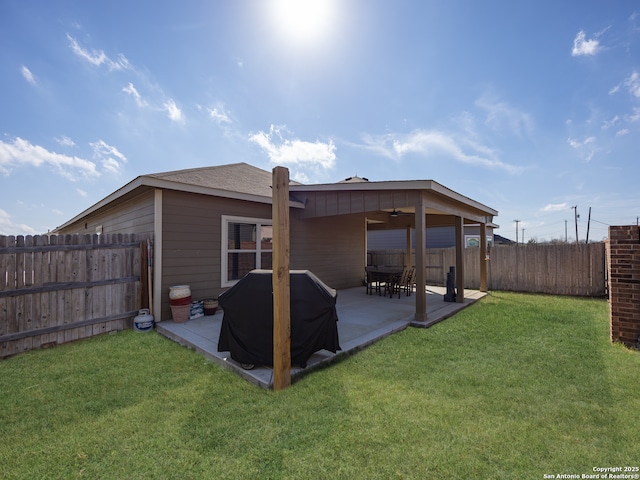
564,269
57,289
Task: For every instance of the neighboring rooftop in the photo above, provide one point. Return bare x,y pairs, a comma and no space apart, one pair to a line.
355,179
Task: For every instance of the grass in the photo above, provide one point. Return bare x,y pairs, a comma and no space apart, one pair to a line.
515,386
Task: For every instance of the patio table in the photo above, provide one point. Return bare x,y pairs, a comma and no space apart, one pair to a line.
389,275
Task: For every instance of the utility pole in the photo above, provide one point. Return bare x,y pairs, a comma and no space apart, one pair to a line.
588,225
517,222
566,239
523,236
576,216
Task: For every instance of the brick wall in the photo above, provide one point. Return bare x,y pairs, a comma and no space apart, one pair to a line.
623,260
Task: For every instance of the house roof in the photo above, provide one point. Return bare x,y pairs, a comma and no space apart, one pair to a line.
235,177
239,181
242,181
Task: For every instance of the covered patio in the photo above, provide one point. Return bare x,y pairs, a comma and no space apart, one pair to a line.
362,320
412,205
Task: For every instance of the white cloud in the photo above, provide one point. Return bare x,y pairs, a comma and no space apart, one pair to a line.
20,152
555,207
219,116
28,76
98,57
65,141
503,117
175,114
610,123
170,107
429,143
582,46
623,132
282,151
300,177
131,90
633,117
584,147
578,144
632,82
81,192
108,155
9,227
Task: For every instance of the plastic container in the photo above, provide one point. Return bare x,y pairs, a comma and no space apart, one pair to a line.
143,322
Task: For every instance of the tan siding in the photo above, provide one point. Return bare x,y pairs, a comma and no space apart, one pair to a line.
332,248
319,204
191,232
133,216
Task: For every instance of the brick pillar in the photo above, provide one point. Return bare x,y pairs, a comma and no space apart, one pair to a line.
623,260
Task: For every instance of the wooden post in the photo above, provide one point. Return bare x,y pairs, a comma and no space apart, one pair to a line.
483,257
421,262
407,259
460,259
281,281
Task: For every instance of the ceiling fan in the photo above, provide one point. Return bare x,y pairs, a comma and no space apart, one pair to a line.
397,213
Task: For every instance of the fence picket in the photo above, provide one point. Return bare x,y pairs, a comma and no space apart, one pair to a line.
60,288
566,269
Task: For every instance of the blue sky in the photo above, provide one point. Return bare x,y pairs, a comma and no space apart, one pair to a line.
530,107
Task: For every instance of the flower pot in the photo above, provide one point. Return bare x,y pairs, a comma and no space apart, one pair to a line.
180,313
180,301
210,306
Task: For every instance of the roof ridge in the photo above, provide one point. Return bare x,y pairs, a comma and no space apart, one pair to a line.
208,167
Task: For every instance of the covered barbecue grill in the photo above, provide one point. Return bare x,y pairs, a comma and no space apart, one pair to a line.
247,324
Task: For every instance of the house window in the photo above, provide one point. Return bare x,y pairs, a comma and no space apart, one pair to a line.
247,244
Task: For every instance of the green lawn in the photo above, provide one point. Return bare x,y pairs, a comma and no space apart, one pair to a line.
515,386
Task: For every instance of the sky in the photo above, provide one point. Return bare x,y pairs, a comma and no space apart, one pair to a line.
531,107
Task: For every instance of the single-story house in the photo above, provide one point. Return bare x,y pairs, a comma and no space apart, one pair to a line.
212,225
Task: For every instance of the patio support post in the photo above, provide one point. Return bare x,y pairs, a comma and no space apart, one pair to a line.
156,262
281,280
407,258
460,259
483,257
421,261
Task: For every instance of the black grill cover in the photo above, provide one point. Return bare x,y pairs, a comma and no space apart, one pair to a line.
247,324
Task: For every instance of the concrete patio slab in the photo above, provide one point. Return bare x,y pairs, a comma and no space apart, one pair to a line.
362,320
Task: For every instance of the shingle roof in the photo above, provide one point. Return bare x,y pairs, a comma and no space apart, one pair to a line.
235,177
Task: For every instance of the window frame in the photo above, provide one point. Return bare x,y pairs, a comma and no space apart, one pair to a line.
225,250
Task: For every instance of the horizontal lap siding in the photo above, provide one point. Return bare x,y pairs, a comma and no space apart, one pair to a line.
191,241
332,248
135,216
